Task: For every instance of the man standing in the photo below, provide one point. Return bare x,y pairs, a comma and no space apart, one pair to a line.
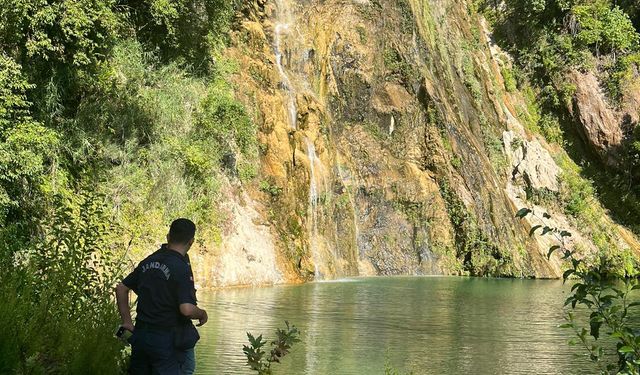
163,335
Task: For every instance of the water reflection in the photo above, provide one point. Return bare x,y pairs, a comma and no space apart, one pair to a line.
424,325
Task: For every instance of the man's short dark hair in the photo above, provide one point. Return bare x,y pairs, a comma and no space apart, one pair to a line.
182,231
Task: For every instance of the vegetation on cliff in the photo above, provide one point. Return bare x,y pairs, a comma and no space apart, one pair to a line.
549,40
115,117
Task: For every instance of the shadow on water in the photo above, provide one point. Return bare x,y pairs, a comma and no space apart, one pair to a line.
428,325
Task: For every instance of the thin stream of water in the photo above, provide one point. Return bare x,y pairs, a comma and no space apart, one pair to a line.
285,24
313,206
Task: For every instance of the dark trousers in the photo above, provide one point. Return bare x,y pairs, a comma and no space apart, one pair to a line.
152,352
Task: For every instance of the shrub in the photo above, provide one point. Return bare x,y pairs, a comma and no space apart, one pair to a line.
604,288
183,31
257,358
270,188
55,297
603,26
510,82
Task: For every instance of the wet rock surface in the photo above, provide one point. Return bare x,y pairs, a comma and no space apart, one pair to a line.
420,161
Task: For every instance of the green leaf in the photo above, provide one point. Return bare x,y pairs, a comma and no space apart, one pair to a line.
533,229
551,250
568,273
626,349
575,286
595,329
575,262
523,212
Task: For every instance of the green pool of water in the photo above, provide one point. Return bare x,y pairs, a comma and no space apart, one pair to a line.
427,325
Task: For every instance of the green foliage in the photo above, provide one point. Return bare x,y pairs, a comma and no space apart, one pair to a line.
60,45
224,120
13,86
510,82
58,33
601,25
101,96
247,172
495,149
553,37
536,119
604,288
258,360
550,128
362,33
577,193
622,73
26,148
270,188
478,255
456,162
397,66
469,76
530,114
549,37
185,31
24,153
56,295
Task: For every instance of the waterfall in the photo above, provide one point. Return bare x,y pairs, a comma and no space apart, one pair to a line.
313,205
356,229
283,26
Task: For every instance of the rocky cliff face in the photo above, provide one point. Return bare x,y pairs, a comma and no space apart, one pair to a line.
390,145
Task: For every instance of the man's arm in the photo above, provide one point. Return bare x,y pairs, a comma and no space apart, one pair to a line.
192,311
122,298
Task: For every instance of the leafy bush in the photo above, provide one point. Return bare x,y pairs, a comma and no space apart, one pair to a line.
622,74
602,26
95,96
270,188
51,35
55,296
510,82
577,194
469,77
183,31
604,288
225,120
257,358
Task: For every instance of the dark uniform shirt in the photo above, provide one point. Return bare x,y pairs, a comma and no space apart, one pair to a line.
162,281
